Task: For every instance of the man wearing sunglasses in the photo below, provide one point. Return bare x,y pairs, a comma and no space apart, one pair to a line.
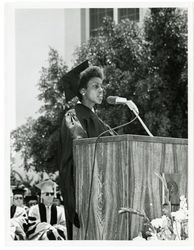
18,215
46,220
18,199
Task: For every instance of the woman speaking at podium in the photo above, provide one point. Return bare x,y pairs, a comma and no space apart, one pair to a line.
85,82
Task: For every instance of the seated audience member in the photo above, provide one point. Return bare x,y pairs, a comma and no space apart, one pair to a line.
46,220
18,215
31,200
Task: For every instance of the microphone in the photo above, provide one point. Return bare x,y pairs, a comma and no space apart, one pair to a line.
131,105
121,100
116,100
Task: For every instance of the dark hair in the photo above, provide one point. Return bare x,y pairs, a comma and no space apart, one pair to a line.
86,75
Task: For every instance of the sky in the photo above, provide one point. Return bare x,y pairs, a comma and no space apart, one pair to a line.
35,31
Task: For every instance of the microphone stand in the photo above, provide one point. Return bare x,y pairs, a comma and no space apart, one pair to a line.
137,115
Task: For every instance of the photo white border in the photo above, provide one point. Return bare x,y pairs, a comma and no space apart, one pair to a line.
9,116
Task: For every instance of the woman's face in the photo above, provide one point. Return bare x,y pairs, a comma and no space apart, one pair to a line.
94,91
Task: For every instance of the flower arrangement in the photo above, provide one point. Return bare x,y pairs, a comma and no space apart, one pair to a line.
180,219
171,226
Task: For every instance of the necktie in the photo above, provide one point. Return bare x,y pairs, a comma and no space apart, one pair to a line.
48,216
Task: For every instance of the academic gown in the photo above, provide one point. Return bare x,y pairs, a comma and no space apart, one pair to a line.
80,122
18,222
40,227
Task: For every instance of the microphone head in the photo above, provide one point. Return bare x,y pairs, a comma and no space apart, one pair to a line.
116,100
111,99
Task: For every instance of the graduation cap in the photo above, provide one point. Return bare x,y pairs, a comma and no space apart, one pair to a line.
31,198
47,182
71,80
18,191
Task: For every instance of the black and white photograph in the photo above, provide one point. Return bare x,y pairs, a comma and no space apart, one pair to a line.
97,111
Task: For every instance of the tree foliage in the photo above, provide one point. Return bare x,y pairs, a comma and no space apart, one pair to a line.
166,32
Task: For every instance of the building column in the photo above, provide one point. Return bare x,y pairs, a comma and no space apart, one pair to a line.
115,15
142,13
87,24
85,29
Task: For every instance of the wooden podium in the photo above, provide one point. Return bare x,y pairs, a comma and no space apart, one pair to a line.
124,176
